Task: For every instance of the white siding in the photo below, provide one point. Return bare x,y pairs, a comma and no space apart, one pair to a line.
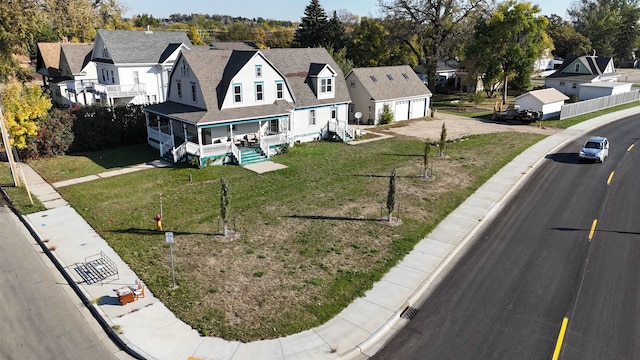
401,111
360,100
246,77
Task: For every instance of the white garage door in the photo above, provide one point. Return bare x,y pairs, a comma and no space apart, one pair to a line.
402,110
417,109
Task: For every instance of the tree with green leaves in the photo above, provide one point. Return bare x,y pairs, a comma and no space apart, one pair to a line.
566,40
145,20
507,43
224,204
312,31
23,104
611,26
368,46
340,57
386,115
443,140
439,25
391,195
194,36
20,21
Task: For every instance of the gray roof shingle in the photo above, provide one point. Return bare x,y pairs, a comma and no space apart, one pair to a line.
139,47
215,69
391,82
77,56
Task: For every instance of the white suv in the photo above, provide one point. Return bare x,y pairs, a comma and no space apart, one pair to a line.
596,149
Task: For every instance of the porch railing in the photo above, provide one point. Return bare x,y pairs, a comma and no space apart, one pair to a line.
157,135
236,152
266,141
124,90
344,130
215,149
179,152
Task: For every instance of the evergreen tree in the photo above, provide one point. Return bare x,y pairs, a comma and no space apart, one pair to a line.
336,34
443,140
312,31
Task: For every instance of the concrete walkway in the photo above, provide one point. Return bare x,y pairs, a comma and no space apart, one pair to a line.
150,330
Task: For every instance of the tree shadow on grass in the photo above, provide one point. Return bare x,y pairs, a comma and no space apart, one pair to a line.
150,232
322,217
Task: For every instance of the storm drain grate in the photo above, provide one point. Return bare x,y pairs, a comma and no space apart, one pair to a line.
409,313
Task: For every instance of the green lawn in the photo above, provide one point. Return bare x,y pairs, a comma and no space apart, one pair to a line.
308,239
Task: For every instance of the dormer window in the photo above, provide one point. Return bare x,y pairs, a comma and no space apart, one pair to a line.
326,85
237,93
258,71
279,90
259,91
577,68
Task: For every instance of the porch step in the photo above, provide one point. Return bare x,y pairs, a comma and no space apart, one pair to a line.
252,156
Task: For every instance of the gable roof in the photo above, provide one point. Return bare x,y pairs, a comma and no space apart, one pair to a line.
76,56
138,47
216,68
545,96
597,67
48,62
234,45
390,82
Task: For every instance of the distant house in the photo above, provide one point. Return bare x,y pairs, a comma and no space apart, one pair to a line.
600,89
396,86
234,106
48,61
548,101
581,70
133,66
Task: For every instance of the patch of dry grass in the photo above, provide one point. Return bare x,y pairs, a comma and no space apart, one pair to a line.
308,239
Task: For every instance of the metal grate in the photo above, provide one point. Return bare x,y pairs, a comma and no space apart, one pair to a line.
97,269
409,312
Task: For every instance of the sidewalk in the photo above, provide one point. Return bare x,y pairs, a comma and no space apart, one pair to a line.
358,332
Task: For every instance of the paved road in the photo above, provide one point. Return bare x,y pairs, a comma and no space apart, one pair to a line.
535,265
40,317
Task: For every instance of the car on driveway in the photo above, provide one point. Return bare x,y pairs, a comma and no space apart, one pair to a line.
596,148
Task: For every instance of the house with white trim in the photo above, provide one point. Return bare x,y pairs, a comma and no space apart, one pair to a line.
133,67
242,106
399,87
581,70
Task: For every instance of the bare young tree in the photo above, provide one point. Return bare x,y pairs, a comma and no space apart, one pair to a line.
391,196
224,205
425,158
443,140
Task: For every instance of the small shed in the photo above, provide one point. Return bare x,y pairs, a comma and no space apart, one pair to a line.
548,101
602,88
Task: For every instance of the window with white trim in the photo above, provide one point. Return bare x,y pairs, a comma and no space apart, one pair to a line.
184,69
312,117
258,71
259,91
193,92
574,85
237,93
179,89
326,85
279,90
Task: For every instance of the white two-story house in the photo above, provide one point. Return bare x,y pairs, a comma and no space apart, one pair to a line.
133,67
239,106
581,70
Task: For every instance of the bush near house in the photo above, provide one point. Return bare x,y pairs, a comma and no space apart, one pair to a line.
89,128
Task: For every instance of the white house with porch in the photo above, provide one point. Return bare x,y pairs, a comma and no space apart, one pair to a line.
241,106
133,67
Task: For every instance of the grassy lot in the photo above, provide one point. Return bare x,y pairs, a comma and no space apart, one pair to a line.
18,195
306,240
83,164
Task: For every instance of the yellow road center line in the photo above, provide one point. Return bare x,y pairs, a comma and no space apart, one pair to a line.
610,177
630,147
593,229
563,328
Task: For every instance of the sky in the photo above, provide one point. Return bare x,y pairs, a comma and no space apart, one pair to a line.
292,10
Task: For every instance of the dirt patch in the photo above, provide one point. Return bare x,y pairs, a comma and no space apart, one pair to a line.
458,127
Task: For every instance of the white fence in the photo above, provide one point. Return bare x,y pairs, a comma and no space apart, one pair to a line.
587,106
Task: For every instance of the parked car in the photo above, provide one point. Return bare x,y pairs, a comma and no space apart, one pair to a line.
596,149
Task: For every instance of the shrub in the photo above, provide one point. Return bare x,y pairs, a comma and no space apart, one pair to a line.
54,136
476,98
386,116
98,128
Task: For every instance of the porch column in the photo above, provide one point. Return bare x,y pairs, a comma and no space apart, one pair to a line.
199,131
184,128
160,137
173,139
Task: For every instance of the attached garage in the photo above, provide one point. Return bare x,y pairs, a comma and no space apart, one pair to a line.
402,110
